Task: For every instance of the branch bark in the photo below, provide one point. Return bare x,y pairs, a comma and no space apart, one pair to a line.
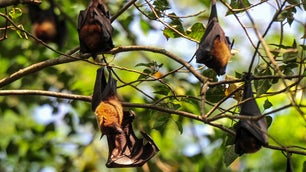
5,3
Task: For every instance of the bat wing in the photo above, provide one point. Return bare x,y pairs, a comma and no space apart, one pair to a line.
250,108
250,134
100,85
107,29
134,153
81,21
110,88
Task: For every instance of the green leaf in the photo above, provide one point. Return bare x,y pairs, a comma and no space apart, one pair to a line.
269,120
196,31
15,13
161,89
168,33
161,5
293,2
210,74
290,57
262,85
179,126
267,104
145,26
161,121
229,155
288,14
215,94
238,4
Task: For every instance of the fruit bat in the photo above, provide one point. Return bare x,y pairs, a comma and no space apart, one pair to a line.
46,25
125,149
95,29
250,134
214,49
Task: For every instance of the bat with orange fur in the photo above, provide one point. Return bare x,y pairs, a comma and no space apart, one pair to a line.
250,134
214,50
46,25
95,29
125,149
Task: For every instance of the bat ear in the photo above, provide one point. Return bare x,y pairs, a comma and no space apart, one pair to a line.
100,85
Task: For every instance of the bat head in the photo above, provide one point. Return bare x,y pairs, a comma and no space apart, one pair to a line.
103,90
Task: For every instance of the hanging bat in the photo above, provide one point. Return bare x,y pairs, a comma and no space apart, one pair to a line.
107,107
95,29
250,134
214,49
46,25
125,149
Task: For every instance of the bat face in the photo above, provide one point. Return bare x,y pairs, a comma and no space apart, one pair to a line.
125,149
250,134
214,48
47,26
94,28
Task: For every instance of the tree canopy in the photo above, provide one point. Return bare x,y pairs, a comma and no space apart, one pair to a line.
190,112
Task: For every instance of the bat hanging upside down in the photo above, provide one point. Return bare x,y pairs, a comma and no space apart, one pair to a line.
95,29
46,25
214,49
125,149
250,134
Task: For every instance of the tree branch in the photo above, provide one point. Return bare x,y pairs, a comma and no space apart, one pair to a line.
5,3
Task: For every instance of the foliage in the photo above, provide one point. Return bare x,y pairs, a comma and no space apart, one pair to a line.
45,113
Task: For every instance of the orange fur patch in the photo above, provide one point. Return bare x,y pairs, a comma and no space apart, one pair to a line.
109,112
221,51
45,29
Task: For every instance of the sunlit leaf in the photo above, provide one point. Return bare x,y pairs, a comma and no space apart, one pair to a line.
233,87
145,26
196,31
15,13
